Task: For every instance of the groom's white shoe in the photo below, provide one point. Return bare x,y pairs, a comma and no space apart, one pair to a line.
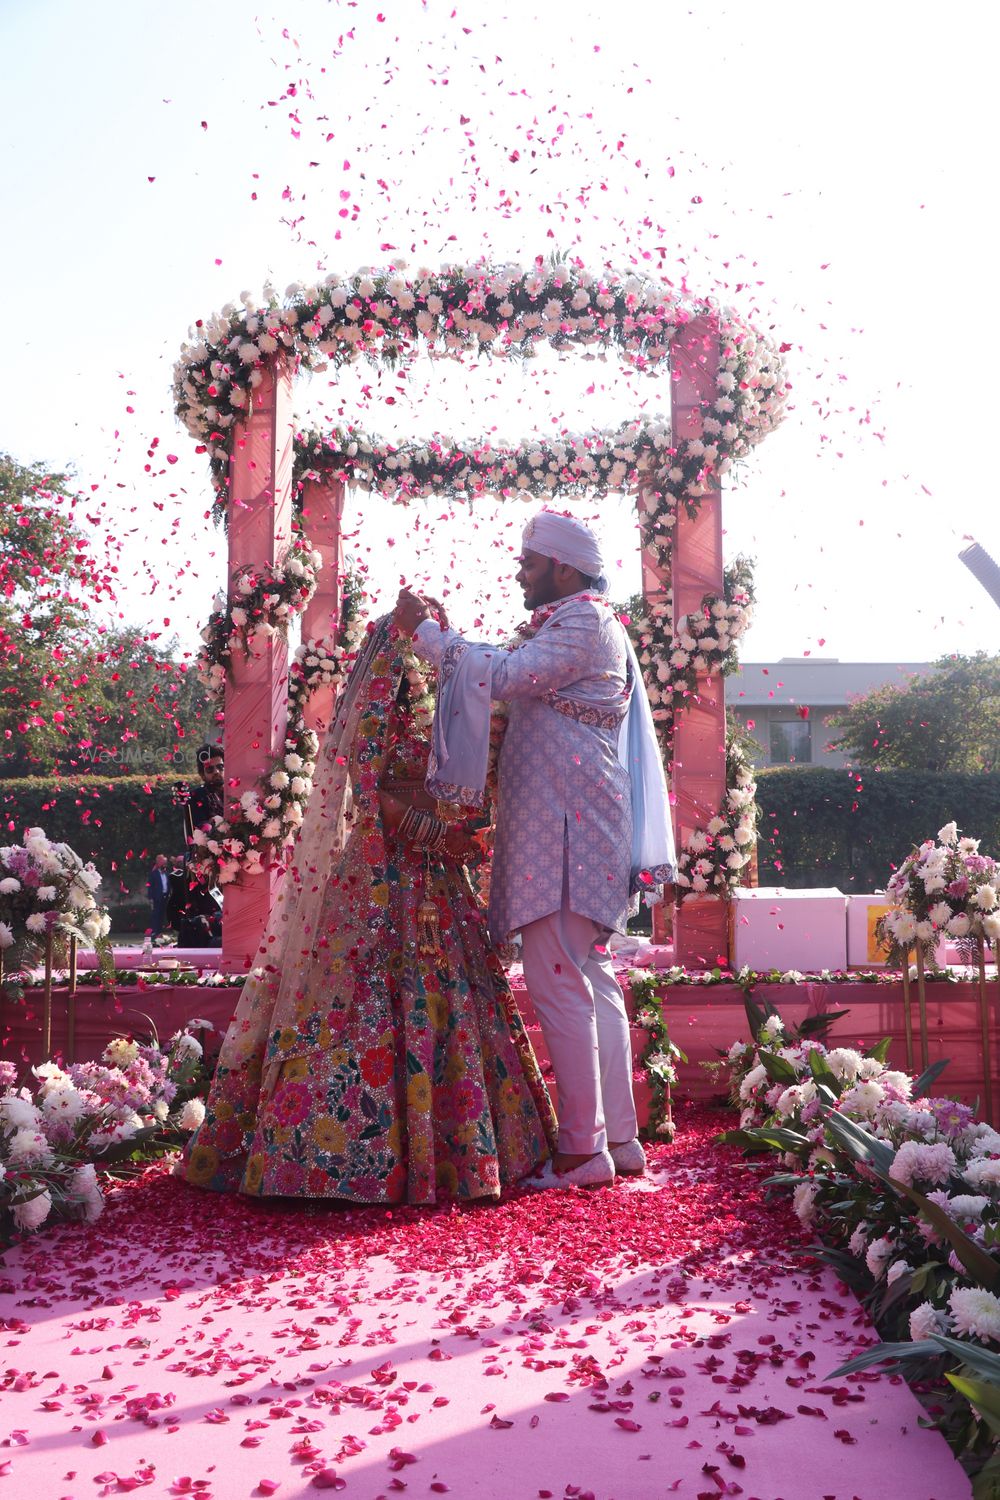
629,1158
597,1171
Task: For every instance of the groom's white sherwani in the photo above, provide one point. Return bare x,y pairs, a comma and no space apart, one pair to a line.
564,809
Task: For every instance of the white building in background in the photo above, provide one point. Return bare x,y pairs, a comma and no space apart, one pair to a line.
787,705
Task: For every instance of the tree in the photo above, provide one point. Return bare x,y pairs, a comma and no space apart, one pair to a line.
947,721
77,693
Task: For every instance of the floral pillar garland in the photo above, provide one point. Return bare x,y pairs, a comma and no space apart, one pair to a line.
268,816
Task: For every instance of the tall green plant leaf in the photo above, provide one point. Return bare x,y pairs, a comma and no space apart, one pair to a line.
984,1396
928,1076
974,1355
885,1353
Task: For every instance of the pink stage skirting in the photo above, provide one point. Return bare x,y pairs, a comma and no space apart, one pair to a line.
704,1020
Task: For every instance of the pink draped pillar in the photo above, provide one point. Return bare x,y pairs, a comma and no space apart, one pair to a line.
322,517
701,924
655,583
260,514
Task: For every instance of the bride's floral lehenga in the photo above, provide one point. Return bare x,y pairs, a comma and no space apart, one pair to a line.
376,1055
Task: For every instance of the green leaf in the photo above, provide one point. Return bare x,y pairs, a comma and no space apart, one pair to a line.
822,1073
881,1050
885,1353
974,1355
778,1069
819,1025
772,1137
983,1395
928,1076
980,1265
859,1145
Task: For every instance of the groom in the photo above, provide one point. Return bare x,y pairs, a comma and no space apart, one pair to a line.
565,842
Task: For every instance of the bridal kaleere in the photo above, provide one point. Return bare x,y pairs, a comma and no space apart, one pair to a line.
376,1054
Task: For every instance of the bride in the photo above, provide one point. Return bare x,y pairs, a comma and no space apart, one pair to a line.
376,1054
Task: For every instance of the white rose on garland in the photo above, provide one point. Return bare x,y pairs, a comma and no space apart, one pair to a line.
264,821
713,860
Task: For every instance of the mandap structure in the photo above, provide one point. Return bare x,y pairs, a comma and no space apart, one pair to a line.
280,494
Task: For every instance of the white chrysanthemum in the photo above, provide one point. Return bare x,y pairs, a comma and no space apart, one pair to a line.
804,1202
63,1102
896,1269
863,1098
926,1320
121,1051
753,1079
983,1172
844,1063
966,1205
877,1256
192,1114
29,1213
772,1027
902,1083
29,1148
17,1112
975,1311
949,833
858,1242
917,1162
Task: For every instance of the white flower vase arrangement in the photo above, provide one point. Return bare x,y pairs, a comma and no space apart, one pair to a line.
944,889
47,897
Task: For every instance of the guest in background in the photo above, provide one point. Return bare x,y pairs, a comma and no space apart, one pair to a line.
158,889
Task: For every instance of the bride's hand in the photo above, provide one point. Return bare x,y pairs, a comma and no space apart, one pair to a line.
438,610
460,845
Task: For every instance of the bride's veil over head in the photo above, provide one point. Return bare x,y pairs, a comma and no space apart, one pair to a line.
288,949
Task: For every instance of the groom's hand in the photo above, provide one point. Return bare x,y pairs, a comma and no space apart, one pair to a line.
411,610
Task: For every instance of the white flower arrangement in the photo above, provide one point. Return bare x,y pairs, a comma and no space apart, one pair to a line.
943,889
54,1137
45,887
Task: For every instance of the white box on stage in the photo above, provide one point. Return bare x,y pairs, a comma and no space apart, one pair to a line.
863,950
774,928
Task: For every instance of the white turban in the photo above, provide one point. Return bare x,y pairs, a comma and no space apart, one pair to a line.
568,541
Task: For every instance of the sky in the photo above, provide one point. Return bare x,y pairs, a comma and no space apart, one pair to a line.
828,177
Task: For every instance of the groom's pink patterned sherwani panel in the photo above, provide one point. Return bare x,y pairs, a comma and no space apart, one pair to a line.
562,787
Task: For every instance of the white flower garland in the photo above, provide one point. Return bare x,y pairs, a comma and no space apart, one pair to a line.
268,816
386,316
672,657
266,600
712,862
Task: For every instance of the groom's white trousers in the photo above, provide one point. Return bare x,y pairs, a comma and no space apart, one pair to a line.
581,1010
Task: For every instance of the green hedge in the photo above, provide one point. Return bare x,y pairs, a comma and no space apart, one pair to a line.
821,827
120,822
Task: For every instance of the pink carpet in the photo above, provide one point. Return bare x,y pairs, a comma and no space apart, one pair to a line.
657,1339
